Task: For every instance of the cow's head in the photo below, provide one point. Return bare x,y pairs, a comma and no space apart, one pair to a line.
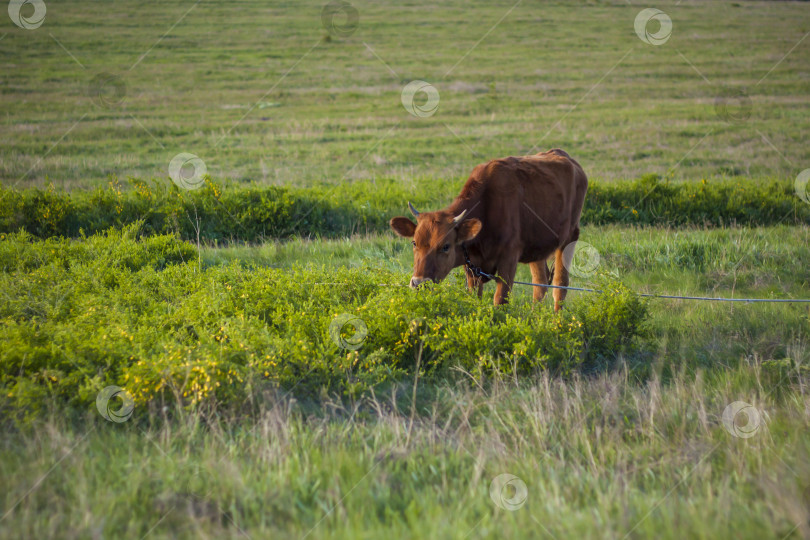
437,239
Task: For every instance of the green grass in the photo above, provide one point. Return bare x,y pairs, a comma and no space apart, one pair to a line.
570,75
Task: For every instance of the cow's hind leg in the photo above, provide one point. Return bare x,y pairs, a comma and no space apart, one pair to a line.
562,262
539,275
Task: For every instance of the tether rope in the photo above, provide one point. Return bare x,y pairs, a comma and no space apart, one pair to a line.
645,295
477,272
675,297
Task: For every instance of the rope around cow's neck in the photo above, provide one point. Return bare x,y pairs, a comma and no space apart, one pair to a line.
476,271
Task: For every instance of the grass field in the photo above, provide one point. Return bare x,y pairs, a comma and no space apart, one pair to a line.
280,380
259,93
600,458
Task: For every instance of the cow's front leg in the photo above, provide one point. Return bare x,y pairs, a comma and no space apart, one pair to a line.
474,282
506,278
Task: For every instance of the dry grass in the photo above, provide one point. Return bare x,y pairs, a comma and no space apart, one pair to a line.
600,456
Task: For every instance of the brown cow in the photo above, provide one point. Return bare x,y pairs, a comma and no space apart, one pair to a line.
516,209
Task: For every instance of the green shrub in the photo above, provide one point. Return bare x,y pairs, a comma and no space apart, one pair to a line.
121,309
217,213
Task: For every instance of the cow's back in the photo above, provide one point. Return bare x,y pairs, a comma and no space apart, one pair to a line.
527,203
556,177
530,203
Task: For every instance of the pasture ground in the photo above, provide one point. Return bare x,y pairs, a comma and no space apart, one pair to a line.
601,457
261,92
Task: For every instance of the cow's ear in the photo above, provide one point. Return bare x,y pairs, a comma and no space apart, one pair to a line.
403,226
468,229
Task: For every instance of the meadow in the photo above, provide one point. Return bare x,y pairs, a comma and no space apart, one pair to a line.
265,92
244,359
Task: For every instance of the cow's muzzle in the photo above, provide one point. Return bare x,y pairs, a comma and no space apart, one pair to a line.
416,281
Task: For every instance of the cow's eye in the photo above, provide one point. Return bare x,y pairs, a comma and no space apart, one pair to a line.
445,248
413,242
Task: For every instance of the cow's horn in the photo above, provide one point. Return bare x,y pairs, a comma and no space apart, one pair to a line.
414,211
459,217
